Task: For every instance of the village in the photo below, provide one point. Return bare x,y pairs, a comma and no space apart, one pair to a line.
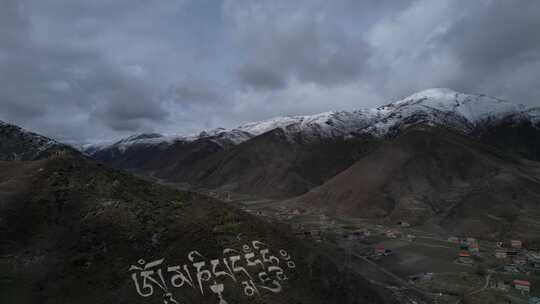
448,269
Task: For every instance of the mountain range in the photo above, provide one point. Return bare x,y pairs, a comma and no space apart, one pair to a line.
426,158
75,231
287,156
72,222
458,161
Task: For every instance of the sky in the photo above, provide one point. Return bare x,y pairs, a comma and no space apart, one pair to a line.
85,71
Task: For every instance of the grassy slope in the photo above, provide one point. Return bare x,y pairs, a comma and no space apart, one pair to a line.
70,229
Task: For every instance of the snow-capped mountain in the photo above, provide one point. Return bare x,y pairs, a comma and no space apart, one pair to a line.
445,107
310,127
438,106
289,155
220,136
323,125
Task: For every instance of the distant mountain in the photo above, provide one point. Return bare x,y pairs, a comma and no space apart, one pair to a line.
309,128
444,107
154,153
273,164
439,177
256,154
19,144
74,231
287,156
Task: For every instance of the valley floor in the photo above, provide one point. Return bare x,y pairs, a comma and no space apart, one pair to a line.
417,262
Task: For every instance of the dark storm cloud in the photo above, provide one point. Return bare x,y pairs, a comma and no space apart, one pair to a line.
300,42
492,42
78,70
496,33
61,84
197,91
262,77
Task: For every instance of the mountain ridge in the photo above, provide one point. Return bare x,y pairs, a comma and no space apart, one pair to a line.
295,154
439,106
17,143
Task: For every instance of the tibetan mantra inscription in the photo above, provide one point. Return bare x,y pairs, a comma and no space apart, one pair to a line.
253,268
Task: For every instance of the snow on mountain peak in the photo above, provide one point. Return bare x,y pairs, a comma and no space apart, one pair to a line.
442,106
317,126
433,93
436,106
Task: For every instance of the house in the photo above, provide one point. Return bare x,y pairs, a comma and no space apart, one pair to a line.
464,258
533,256
392,233
512,252
453,239
411,237
379,250
470,240
427,276
522,285
404,224
474,248
500,285
323,217
358,235
534,300
511,268
500,254
516,244
519,260
534,259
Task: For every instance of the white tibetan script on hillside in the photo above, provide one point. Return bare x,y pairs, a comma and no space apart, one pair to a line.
253,269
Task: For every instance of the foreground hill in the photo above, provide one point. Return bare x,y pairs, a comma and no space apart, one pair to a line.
287,156
73,231
436,176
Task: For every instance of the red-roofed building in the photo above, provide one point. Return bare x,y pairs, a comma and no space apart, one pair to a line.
379,249
522,285
464,257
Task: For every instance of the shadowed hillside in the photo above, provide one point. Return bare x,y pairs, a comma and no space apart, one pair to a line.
431,175
71,229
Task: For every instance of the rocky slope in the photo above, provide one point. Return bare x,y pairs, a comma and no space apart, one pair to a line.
437,176
271,165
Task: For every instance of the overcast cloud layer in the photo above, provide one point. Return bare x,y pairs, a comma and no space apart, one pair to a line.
83,71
